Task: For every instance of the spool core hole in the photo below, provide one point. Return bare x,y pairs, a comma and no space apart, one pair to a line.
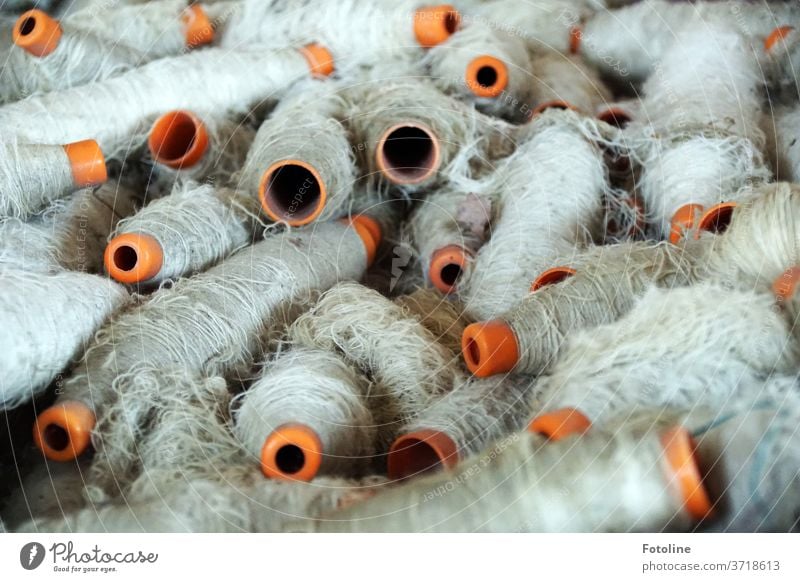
451,21
486,76
56,437
178,140
293,192
450,274
409,153
473,353
125,258
27,26
414,457
290,459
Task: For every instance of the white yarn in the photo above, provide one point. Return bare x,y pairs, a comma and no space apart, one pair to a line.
786,128
782,64
219,80
558,77
45,322
592,483
693,346
317,389
443,317
197,226
550,194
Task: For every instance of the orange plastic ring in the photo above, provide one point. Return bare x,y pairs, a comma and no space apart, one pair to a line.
133,258
87,163
679,449
64,431
716,219
292,452
684,219
178,139
486,76
551,277
435,24
776,35
447,266
281,201
37,32
489,348
560,424
320,59
198,29
419,452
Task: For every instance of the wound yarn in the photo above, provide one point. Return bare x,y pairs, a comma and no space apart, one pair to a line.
564,81
183,233
786,126
444,317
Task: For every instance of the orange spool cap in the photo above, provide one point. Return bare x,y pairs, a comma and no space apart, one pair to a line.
615,116
320,60
198,29
489,348
776,35
369,231
435,24
37,32
178,139
419,452
486,76
292,452
447,266
292,191
716,219
679,451
63,432
87,163
560,424
552,277
133,258
785,286
575,37
554,104
684,219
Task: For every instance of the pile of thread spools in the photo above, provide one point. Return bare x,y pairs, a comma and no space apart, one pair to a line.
340,265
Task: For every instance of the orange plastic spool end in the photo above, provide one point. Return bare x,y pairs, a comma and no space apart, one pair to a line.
63,431
198,29
178,139
486,76
435,24
408,153
292,191
447,266
684,219
615,116
292,452
776,35
575,37
716,219
551,277
489,348
37,33
369,231
420,452
133,258
679,450
87,162
785,286
554,104
320,60
560,424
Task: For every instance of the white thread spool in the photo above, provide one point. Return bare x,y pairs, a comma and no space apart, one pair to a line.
564,82
32,176
306,415
111,111
459,424
685,347
408,365
47,320
444,318
594,483
595,287
183,233
782,60
300,165
210,322
482,65
533,226
70,234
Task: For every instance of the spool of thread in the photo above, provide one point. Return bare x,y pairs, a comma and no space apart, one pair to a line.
444,318
375,30
410,368
221,311
32,176
301,166
677,348
519,484
532,227
321,426
448,227
219,80
70,234
459,424
529,338
196,146
563,82
186,232
47,319
50,56
482,65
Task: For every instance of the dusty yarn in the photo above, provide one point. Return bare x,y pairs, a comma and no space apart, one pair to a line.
196,226
47,320
558,79
522,483
785,126
782,61
549,202
317,389
445,318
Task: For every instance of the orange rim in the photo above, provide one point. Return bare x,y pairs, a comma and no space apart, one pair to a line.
615,116
554,104
684,219
87,163
716,219
178,139
283,187
320,60
679,450
560,424
435,24
420,452
408,153
292,452
551,277
447,266
369,231
63,432
133,258
487,76
489,348
37,33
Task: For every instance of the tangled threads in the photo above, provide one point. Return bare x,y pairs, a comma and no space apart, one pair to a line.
32,176
70,234
180,234
564,82
211,322
533,226
112,111
306,415
604,286
485,66
47,319
301,166
460,424
677,348
595,482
